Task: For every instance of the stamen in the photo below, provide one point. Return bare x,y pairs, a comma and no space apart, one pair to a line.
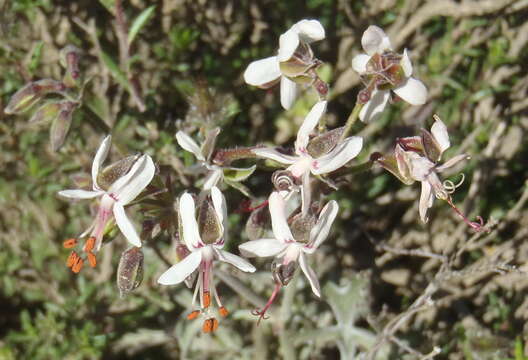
223,311
69,243
90,244
78,265
72,259
210,325
206,299
450,187
91,259
262,313
193,315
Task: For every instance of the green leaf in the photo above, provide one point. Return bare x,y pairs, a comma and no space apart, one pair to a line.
240,187
139,22
115,70
36,56
109,5
238,174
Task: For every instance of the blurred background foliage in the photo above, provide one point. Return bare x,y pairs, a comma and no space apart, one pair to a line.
188,58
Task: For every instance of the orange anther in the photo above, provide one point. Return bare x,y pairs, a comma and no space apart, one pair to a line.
78,265
69,243
206,299
72,259
193,315
91,259
210,325
90,244
223,311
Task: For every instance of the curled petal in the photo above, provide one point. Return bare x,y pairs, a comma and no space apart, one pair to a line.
188,144
279,223
99,158
309,30
262,247
309,123
80,194
142,176
191,235
125,225
262,72
426,200
375,106
374,40
359,63
406,64
453,161
274,155
413,91
180,271
439,131
288,92
320,231
288,43
234,260
310,275
339,156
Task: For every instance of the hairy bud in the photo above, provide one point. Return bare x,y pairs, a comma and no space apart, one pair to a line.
130,270
283,273
31,93
61,124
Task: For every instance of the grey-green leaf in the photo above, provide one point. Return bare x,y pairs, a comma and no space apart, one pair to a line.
139,22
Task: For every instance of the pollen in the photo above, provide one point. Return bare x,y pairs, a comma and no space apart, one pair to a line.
210,325
193,315
206,299
72,259
223,311
90,244
69,243
91,259
77,266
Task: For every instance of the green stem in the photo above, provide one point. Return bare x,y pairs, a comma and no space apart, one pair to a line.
351,121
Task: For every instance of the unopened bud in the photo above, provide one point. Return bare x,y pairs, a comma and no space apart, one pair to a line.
130,270
283,273
61,124
46,113
69,58
31,93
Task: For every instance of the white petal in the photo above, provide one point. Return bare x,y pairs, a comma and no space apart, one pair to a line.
213,178
99,158
439,131
191,235
273,154
187,143
359,63
180,271
309,123
288,43
309,30
413,91
138,166
453,161
262,71
219,204
406,64
126,227
142,177
80,194
310,275
374,40
375,106
320,231
339,156
426,200
288,92
306,194
234,260
279,223
262,247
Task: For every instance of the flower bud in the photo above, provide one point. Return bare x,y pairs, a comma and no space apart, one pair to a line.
46,113
61,124
130,270
69,58
283,273
31,93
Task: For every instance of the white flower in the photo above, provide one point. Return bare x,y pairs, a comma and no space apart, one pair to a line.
302,163
379,60
266,72
120,193
284,246
204,250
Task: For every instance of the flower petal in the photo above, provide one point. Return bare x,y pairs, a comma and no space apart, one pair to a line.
288,92
439,131
413,91
452,162
320,231
234,260
191,235
375,106
309,30
99,158
426,200
309,123
374,40
263,71
125,225
80,194
219,204
359,63
180,271
187,143
339,156
262,247
272,154
213,178
279,223
306,194
406,64
288,43
310,275
142,176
